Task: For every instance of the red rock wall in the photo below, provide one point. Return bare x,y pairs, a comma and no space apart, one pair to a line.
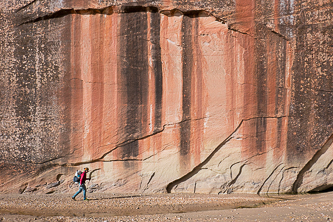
209,97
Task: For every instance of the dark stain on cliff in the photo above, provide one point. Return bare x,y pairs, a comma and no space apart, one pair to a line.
35,86
279,132
302,97
157,66
130,150
261,125
261,72
25,77
133,60
25,92
187,61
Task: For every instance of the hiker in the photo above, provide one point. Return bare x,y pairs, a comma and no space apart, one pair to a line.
83,188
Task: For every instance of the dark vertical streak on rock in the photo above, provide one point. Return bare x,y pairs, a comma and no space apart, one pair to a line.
279,132
25,75
130,150
261,71
25,97
157,67
261,124
301,98
187,59
134,71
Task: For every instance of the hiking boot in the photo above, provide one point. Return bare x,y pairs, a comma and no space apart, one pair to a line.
86,199
73,198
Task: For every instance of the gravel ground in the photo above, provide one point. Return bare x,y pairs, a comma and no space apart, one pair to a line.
166,207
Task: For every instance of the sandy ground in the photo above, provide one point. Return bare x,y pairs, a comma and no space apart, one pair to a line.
166,207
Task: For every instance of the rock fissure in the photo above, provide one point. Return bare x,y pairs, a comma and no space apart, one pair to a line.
238,31
329,164
246,33
282,177
150,179
265,117
239,173
281,170
230,168
299,179
262,185
212,170
279,34
196,169
108,161
115,9
25,6
218,165
130,9
58,14
100,159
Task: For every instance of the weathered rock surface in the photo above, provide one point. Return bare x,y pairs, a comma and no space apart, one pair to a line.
167,96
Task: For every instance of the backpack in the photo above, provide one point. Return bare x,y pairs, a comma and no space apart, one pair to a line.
77,176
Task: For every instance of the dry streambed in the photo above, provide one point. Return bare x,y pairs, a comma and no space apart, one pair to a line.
115,205
162,207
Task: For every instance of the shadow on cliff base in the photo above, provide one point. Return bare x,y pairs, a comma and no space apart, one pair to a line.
322,189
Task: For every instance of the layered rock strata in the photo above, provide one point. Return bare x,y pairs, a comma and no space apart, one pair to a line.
167,96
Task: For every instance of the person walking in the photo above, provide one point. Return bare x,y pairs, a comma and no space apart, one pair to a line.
83,188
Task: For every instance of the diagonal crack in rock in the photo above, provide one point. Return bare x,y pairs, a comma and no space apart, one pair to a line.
200,166
25,6
282,177
101,158
269,176
239,173
299,179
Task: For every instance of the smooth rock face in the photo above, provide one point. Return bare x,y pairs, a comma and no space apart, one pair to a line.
167,96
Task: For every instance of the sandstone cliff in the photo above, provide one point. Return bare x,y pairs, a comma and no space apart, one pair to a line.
166,95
